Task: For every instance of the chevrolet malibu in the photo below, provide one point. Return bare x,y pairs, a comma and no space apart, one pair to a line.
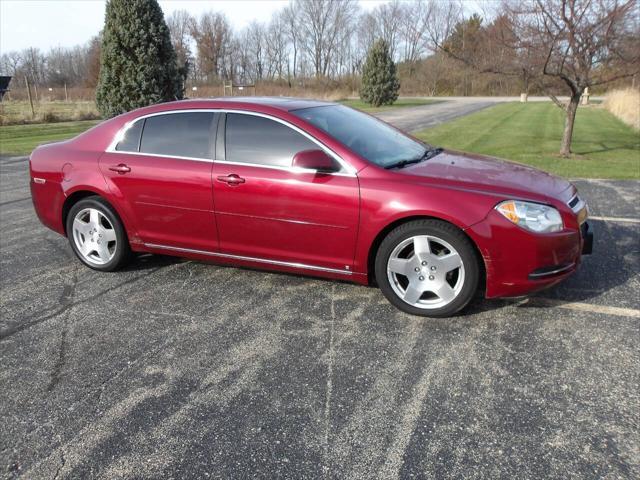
312,188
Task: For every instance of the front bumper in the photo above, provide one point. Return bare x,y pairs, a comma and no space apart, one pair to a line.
518,262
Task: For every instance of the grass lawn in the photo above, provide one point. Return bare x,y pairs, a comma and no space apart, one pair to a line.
22,139
401,102
530,133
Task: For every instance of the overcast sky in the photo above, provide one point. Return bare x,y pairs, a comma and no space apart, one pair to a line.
50,23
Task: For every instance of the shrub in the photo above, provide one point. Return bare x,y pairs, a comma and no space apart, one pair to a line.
380,83
47,116
137,61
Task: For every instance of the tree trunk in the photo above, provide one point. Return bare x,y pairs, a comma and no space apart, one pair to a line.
565,146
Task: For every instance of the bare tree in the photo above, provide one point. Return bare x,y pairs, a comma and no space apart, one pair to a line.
324,24
180,24
584,43
59,69
385,22
366,36
414,19
277,43
291,19
212,34
10,63
533,44
575,43
243,61
256,42
34,65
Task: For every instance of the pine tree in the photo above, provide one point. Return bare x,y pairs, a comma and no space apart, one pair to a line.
137,61
380,83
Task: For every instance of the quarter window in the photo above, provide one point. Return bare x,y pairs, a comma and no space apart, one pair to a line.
188,134
253,139
131,140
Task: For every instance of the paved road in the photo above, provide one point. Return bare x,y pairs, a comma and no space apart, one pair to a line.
412,119
182,369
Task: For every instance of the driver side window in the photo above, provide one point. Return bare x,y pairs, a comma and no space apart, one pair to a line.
259,140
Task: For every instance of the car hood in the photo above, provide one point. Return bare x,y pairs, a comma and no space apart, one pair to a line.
492,175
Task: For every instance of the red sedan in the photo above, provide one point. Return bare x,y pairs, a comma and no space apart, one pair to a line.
309,187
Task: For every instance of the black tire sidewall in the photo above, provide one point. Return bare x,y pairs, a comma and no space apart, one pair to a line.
122,246
447,232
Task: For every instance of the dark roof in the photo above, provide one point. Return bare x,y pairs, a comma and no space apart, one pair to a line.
4,82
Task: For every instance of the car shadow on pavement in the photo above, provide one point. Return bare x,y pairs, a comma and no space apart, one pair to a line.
149,261
613,263
146,261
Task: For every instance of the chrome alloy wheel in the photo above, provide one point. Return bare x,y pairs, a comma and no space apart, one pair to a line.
426,272
94,236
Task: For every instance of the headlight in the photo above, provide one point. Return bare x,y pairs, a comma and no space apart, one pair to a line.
532,216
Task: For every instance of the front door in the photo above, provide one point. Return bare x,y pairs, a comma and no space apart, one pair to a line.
161,170
267,210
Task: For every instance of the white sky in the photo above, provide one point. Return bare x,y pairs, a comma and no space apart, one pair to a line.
51,23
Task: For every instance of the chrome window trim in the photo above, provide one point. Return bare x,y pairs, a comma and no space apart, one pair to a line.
286,169
302,266
140,154
348,170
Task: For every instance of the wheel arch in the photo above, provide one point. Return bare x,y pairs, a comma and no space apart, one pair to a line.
377,241
82,193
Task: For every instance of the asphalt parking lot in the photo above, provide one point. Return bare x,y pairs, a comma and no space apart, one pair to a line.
179,369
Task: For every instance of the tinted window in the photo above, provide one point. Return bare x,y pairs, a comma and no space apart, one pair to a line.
131,139
251,139
179,134
370,138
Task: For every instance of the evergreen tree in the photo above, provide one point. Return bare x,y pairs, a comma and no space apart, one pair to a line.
380,83
137,61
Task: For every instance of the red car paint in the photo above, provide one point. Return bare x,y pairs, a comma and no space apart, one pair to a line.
311,223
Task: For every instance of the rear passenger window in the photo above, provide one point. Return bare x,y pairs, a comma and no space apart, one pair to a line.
253,139
179,134
131,139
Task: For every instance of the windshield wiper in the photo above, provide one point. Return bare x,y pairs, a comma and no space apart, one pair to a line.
428,153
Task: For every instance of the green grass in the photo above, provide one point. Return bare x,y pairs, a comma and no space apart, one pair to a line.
401,102
530,133
22,139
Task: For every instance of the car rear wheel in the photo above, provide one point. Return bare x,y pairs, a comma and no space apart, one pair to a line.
97,235
427,268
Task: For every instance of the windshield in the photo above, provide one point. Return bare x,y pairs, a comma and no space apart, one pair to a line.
368,137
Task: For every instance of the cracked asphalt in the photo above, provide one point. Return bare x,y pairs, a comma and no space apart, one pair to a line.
180,369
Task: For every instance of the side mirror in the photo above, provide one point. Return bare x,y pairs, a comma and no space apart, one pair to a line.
314,160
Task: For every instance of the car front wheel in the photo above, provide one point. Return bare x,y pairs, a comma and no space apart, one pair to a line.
97,235
428,268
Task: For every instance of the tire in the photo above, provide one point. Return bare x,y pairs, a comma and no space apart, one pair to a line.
97,236
437,282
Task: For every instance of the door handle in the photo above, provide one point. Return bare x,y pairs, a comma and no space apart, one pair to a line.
232,179
121,168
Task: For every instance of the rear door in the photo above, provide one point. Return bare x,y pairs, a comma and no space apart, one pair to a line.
161,172
266,209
